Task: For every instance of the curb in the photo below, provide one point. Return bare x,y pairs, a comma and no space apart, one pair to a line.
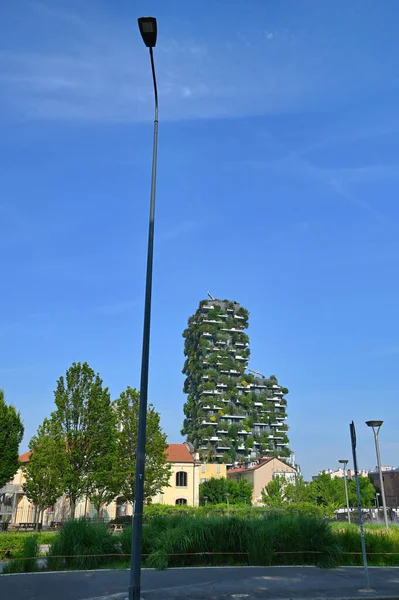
364,593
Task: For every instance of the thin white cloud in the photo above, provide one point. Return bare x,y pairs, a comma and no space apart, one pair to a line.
100,72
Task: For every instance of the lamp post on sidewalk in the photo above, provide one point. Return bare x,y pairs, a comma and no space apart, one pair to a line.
344,462
148,30
376,426
228,506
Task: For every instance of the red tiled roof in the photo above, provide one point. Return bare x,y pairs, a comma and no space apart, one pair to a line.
174,453
24,458
242,469
178,453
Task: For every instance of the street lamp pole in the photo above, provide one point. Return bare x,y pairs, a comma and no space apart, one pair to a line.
345,462
376,426
228,506
377,501
148,30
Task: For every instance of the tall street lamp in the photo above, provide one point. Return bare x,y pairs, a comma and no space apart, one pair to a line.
376,426
345,462
148,30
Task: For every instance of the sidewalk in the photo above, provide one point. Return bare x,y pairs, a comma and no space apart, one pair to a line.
250,583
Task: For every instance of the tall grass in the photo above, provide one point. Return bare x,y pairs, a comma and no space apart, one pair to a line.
275,539
81,545
25,560
382,547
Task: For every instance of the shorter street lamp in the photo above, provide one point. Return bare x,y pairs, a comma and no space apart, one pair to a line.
228,508
377,500
376,426
344,462
206,500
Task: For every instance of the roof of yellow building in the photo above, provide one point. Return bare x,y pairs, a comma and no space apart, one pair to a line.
178,453
24,458
174,453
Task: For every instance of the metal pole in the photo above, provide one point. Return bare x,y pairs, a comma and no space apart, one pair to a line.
359,505
377,501
135,566
377,448
347,496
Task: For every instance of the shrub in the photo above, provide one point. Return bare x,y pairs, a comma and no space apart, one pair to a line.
82,545
25,559
11,542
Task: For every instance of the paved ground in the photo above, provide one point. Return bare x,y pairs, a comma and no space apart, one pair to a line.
254,583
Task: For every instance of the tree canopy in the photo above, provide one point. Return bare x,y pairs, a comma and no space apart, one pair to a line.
273,494
215,490
324,491
11,434
157,470
45,470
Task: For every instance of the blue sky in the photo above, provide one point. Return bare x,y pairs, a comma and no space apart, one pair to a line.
277,187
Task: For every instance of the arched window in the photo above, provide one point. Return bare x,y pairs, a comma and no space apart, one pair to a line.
181,479
181,501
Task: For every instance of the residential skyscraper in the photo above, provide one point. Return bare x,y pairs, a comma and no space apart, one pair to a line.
231,412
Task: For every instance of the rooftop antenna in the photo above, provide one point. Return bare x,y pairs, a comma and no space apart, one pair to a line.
210,295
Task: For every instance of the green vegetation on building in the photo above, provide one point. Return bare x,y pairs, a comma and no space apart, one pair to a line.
231,413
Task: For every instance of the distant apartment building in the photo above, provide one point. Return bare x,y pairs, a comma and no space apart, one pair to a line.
390,478
231,413
261,472
341,473
350,472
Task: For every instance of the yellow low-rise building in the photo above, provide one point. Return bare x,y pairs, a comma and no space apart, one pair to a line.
211,470
187,472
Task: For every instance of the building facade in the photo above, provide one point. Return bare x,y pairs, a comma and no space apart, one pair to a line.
231,412
262,472
390,478
186,474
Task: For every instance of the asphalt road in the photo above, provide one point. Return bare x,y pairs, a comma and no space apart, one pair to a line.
253,583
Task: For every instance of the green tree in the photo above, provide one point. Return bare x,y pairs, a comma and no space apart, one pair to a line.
297,492
328,491
367,492
157,469
82,422
273,494
11,434
216,488
45,470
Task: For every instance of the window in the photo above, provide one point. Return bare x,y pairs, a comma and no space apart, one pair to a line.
181,501
181,479
218,469
121,507
203,469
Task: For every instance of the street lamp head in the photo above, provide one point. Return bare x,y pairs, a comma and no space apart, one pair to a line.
343,462
148,30
374,423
